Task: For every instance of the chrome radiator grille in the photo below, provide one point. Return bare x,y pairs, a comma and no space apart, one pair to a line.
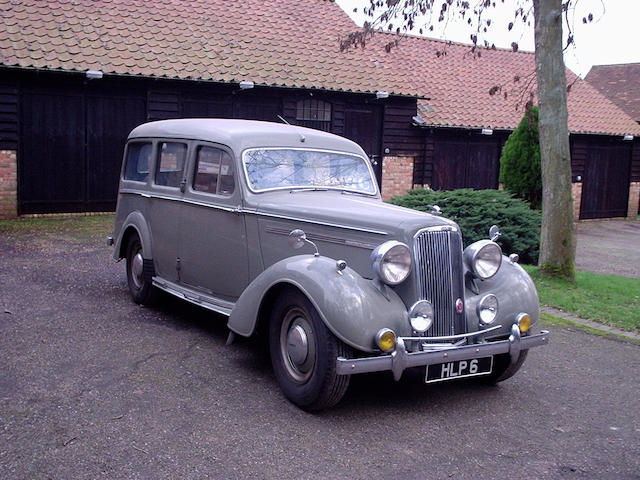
438,257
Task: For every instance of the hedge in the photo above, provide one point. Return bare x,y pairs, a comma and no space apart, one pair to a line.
476,210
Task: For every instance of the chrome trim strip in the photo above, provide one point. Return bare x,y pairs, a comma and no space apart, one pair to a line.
202,300
324,238
181,199
453,337
400,359
304,220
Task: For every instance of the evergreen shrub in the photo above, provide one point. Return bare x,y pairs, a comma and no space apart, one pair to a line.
476,210
520,170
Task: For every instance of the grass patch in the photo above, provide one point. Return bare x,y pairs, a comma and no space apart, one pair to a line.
607,299
74,228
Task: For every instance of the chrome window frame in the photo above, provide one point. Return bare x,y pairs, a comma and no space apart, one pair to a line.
294,187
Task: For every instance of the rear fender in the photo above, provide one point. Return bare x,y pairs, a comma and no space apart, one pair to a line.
353,308
135,220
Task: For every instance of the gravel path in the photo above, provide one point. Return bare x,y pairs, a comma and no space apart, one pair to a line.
609,246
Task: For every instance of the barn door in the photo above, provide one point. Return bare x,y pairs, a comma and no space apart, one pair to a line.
71,143
363,125
465,163
605,184
51,158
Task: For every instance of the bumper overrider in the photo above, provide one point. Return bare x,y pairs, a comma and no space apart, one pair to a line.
400,358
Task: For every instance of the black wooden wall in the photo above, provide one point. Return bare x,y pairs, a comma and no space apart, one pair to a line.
70,131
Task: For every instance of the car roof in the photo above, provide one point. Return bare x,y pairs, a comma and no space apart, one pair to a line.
243,134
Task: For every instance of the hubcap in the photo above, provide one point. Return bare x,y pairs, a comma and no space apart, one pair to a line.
136,270
297,345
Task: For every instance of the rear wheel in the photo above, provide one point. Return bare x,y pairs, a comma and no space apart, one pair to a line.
304,353
142,291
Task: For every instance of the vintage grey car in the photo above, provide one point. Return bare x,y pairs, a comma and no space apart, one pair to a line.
282,230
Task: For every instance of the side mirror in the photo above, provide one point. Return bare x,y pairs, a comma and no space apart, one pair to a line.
494,233
297,238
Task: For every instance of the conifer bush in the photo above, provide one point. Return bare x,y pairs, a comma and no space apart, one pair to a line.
520,170
476,210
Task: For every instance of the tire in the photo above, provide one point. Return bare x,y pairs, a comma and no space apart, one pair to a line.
304,353
142,291
502,370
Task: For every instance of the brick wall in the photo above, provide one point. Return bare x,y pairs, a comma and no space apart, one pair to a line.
8,184
634,199
576,193
397,176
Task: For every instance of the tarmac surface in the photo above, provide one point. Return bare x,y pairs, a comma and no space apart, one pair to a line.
94,386
609,246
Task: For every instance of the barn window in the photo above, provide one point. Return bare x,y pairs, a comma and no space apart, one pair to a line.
314,114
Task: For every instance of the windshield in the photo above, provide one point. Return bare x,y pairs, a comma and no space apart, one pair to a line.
280,168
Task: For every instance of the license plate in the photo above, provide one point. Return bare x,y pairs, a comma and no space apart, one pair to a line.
460,369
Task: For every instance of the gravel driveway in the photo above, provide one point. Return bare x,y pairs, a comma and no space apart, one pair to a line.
94,386
609,246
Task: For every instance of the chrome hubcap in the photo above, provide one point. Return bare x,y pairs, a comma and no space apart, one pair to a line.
297,345
136,270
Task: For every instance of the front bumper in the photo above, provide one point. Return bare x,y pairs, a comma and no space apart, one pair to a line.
400,359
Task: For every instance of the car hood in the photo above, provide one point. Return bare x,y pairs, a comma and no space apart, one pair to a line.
355,212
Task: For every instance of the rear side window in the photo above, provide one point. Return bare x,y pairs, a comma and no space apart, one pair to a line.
214,171
171,159
138,159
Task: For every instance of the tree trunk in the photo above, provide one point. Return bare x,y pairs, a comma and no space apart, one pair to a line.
557,244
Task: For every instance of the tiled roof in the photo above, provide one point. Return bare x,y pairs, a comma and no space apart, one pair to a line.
290,43
286,43
458,86
620,84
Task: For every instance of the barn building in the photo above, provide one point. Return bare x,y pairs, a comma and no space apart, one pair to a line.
76,77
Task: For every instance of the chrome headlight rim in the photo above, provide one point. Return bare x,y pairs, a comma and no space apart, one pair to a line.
488,303
472,256
421,316
381,253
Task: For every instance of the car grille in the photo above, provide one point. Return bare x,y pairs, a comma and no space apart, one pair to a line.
439,275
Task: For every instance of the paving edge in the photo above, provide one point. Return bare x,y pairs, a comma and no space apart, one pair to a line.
589,323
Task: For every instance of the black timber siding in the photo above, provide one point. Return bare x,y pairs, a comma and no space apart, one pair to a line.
9,94
70,131
459,158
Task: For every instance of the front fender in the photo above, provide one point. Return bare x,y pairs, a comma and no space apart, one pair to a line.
352,307
136,221
515,292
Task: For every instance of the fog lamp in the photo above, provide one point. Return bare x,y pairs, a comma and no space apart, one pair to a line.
487,309
421,316
386,339
524,322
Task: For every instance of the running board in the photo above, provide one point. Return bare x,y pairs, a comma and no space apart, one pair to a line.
197,298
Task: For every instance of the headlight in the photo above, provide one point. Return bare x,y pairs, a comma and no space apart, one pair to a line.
487,309
391,261
421,316
483,258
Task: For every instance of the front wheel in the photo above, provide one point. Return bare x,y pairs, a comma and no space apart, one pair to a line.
304,353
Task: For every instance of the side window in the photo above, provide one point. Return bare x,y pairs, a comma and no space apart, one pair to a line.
214,171
170,164
138,159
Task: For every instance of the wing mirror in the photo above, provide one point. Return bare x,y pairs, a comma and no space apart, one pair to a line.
494,233
297,239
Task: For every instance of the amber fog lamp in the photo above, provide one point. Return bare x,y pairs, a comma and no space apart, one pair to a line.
386,339
524,322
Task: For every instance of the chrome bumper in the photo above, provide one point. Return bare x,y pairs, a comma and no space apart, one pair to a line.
400,359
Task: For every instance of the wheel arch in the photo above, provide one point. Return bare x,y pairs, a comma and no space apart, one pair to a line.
351,307
134,224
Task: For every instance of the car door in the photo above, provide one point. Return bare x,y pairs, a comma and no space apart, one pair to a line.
166,207
213,247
